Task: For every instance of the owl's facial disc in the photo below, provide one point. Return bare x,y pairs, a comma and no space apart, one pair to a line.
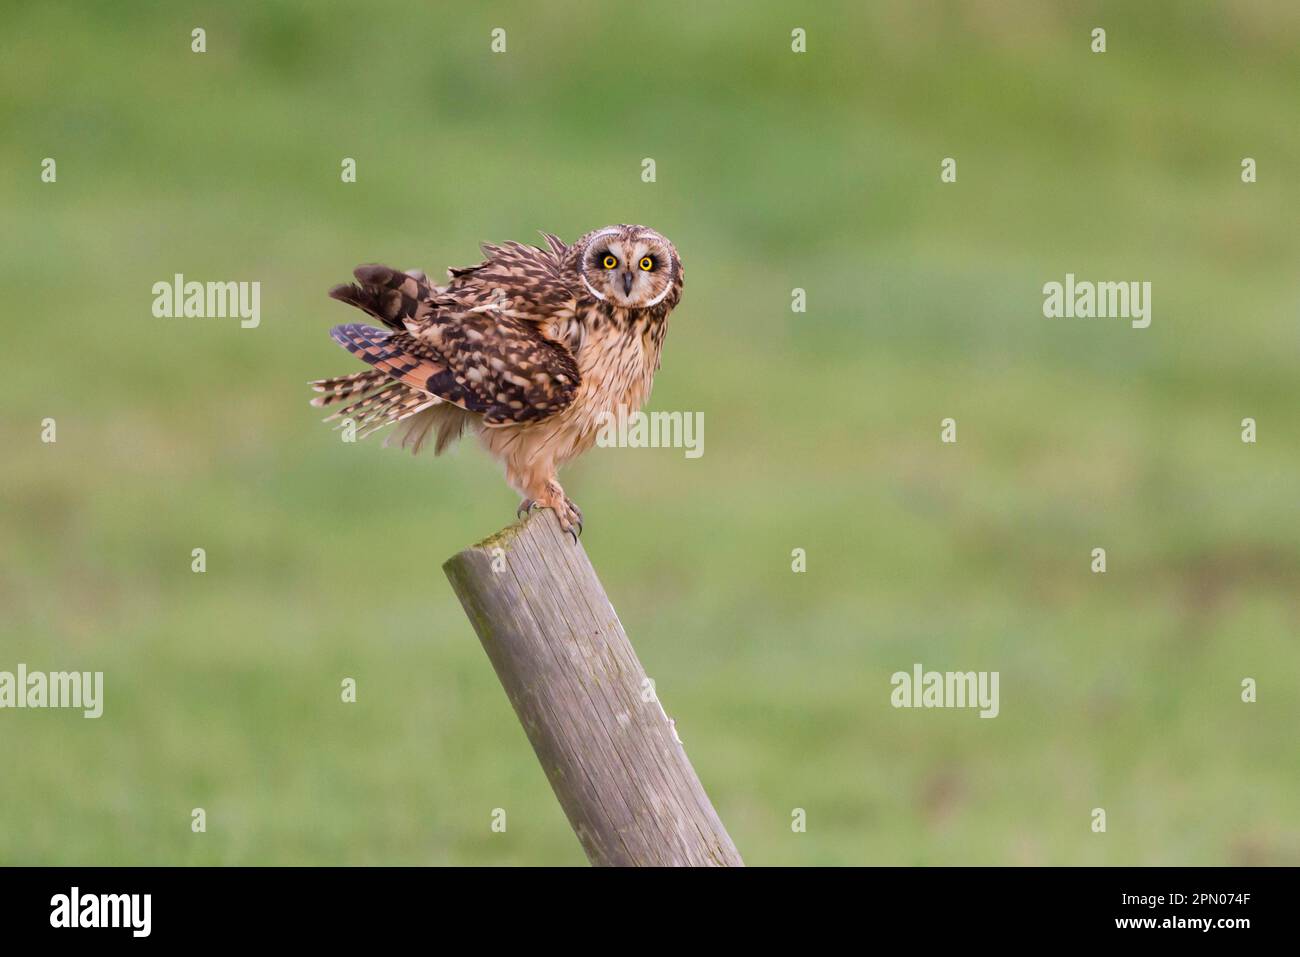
632,271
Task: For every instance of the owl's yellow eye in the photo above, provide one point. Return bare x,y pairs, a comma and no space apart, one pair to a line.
609,262
647,263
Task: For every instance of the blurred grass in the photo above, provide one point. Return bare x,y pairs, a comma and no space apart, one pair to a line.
774,171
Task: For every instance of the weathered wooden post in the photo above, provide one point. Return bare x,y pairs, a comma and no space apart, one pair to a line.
608,748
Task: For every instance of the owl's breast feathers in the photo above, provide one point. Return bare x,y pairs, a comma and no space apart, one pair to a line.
618,357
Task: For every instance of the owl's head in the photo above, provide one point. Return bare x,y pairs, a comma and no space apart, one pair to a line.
632,267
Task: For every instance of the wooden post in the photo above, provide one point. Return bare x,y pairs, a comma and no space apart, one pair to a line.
612,756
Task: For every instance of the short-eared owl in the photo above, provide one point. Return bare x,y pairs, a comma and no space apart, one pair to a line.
527,349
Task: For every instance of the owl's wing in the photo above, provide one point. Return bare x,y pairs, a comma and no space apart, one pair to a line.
483,362
524,282
397,299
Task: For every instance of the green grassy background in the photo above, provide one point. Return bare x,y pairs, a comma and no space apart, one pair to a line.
775,170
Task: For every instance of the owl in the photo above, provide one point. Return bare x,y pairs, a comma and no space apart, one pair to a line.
530,351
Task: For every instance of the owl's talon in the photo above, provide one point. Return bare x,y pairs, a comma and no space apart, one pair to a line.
570,523
524,508
571,518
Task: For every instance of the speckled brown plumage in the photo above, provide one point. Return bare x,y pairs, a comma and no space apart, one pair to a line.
527,349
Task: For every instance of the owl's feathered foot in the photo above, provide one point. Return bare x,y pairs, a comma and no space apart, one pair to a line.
564,507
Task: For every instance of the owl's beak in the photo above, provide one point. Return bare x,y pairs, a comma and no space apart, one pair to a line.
627,284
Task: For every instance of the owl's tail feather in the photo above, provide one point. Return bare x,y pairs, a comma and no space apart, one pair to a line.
345,386
390,296
390,403
448,421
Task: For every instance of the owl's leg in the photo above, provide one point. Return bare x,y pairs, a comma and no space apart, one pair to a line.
541,489
570,516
